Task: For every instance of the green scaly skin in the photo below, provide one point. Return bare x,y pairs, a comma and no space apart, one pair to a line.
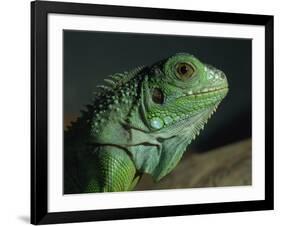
141,122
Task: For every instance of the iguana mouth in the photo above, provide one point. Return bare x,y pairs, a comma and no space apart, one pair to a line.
212,90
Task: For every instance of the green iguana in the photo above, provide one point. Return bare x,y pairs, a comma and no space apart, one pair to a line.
141,122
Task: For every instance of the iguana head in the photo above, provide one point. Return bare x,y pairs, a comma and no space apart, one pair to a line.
179,94
179,89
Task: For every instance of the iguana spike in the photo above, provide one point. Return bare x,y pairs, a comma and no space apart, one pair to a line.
119,79
130,74
110,82
96,94
116,77
136,70
103,87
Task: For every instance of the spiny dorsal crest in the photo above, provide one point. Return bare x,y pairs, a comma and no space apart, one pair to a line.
118,79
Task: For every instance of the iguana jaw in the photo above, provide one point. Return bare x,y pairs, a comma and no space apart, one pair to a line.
208,91
189,126
191,104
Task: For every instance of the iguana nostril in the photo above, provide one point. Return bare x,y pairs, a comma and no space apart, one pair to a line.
222,75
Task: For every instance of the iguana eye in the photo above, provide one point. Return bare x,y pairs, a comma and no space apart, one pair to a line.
157,96
184,71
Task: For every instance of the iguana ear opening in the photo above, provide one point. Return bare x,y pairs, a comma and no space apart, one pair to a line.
157,96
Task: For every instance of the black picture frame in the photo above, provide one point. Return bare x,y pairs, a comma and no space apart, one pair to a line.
39,112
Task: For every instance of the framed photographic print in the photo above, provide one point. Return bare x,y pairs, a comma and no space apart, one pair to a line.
145,112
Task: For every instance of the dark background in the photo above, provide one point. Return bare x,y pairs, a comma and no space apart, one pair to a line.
90,56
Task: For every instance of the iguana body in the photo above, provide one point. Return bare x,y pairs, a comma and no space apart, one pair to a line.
142,122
